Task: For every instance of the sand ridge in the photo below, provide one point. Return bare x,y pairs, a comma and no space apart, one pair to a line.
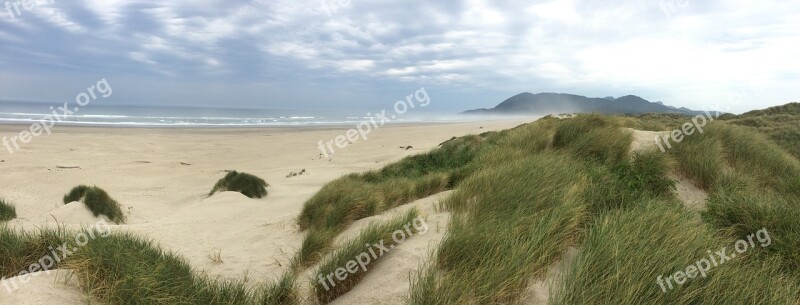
162,178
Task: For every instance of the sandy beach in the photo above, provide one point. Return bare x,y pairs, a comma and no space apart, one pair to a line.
161,177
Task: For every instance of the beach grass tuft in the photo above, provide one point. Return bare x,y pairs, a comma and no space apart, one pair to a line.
98,201
247,184
19,249
376,233
626,252
7,210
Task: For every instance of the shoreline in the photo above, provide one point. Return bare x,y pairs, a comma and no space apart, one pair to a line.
13,127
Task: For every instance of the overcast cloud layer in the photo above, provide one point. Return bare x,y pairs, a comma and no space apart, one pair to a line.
731,55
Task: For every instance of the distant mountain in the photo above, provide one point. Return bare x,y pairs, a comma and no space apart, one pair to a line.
556,103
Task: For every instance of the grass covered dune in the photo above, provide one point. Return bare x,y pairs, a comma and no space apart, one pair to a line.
521,199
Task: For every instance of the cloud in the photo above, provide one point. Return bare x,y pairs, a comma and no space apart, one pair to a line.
660,49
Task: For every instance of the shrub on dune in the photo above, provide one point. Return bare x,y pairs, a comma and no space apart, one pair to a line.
7,211
98,201
247,184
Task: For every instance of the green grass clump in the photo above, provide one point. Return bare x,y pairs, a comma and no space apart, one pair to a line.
742,209
701,158
316,243
284,291
606,145
98,201
568,131
125,269
510,222
623,185
626,251
593,137
781,124
754,155
452,157
247,184
723,147
356,196
647,175
7,211
344,257
20,249
76,194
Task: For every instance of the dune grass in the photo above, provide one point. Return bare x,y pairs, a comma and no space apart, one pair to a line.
742,205
622,185
646,175
652,121
126,269
626,250
356,196
510,222
284,291
7,211
723,147
315,244
522,198
752,154
19,249
515,218
247,184
593,137
98,201
755,184
342,259
781,124
752,182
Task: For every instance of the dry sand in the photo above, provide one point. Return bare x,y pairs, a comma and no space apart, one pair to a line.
162,176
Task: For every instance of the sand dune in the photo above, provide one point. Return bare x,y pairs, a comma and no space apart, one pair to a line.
161,178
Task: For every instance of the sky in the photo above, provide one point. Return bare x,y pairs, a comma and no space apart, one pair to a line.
733,55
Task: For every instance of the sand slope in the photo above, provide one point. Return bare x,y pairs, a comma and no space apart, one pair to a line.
162,177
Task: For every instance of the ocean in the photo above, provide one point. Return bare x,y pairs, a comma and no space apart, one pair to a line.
169,116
